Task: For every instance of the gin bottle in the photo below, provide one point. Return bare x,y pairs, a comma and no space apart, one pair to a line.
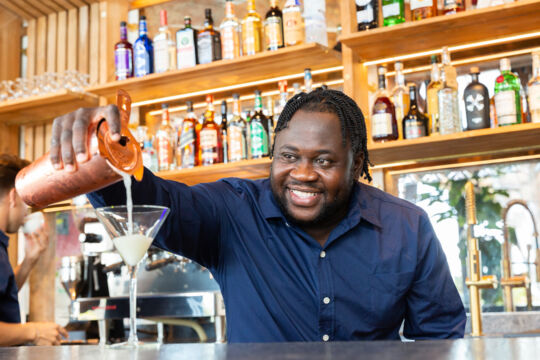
507,95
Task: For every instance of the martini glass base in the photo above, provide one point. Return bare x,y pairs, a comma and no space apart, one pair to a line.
135,345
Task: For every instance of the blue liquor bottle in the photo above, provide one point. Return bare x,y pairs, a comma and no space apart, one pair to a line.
143,51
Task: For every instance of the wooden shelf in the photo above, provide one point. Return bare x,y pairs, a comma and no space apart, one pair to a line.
33,9
247,169
269,64
42,108
431,34
468,143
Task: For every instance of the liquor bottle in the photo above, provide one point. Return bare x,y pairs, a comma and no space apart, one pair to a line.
453,6
367,14
252,31
224,137
433,97
186,45
476,97
208,41
258,126
393,12
415,123
165,138
236,133
123,55
449,122
143,51
507,97
270,120
534,89
210,149
283,95
149,156
186,151
308,80
423,9
273,28
449,70
297,88
315,22
383,115
400,97
230,33
293,24
164,46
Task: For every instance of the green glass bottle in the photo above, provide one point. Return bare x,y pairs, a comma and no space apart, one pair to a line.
258,130
393,12
507,96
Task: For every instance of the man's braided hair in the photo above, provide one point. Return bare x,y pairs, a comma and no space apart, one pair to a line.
353,125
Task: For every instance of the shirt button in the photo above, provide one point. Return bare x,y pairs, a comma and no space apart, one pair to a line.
326,300
325,337
323,254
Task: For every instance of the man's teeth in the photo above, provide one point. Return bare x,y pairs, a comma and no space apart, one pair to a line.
303,194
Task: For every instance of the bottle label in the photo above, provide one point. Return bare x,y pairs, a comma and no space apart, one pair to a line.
292,27
237,143
505,106
186,146
365,16
449,122
161,55
124,65
142,60
273,33
251,39
534,97
185,46
259,139
209,146
417,4
414,129
391,10
205,49
381,124
230,47
362,2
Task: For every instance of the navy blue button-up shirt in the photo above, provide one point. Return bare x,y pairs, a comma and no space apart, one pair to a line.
381,265
9,301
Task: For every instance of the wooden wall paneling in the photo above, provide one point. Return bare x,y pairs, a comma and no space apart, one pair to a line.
94,43
78,3
48,136
39,141
72,39
31,48
112,12
41,45
9,139
64,4
28,143
10,45
83,40
52,27
61,42
39,5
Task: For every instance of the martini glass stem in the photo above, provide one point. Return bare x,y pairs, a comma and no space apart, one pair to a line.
132,340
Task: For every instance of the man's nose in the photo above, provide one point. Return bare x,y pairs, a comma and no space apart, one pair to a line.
304,172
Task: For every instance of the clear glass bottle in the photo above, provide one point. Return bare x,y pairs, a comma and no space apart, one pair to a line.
208,41
449,70
400,97
432,101
476,97
315,22
165,141
230,33
534,88
415,123
164,46
143,51
186,150
449,122
237,148
367,14
507,96
293,23
252,41
186,45
123,55
308,80
283,96
258,126
383,115
393,12
209,139
224,130
423,9
273,27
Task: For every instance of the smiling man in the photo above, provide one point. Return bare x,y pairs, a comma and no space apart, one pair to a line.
309,254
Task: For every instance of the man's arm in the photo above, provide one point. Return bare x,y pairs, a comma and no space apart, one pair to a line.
37,333
434,308
36,243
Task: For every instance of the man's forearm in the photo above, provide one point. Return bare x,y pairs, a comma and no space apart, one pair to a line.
16,334
22,271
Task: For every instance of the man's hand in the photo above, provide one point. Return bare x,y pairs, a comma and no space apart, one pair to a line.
70,134
46,333
36,243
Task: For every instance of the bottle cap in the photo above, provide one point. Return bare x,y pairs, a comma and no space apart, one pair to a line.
381,70
257,93
411,85
189,105
142,17
236,96
164,106
208,12
123,23
163,17
282,86
434,59
474,70
505,64
209,98
398,66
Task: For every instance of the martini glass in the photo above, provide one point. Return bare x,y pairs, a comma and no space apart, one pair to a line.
132,234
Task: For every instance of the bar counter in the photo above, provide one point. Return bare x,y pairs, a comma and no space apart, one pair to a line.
469,348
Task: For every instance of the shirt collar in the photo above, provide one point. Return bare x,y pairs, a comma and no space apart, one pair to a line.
4,239
361,206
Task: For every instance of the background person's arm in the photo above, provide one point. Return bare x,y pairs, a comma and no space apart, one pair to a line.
38,333
36,244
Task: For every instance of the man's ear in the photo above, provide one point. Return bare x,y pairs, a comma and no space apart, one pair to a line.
12,195
358,165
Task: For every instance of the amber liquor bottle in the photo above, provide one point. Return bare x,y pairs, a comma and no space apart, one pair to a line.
383,115
165,139
209,139
273,27
186,151
415,123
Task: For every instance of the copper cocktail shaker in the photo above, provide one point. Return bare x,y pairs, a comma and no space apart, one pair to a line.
40,185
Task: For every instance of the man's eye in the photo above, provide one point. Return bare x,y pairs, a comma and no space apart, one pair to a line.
288,156
323,162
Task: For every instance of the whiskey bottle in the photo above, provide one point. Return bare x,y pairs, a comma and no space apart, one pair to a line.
273,27
476,97
224,137
400,97
423,9
208,41
293,24
534,88
449,70
383,115
186,151
165,141
164,46
270,120
230,33
453,6
210,149
186,45
415,123
143,51
433,96
367,14
123,55
258,126
393,12
251,31
236,133
507,95
449,122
